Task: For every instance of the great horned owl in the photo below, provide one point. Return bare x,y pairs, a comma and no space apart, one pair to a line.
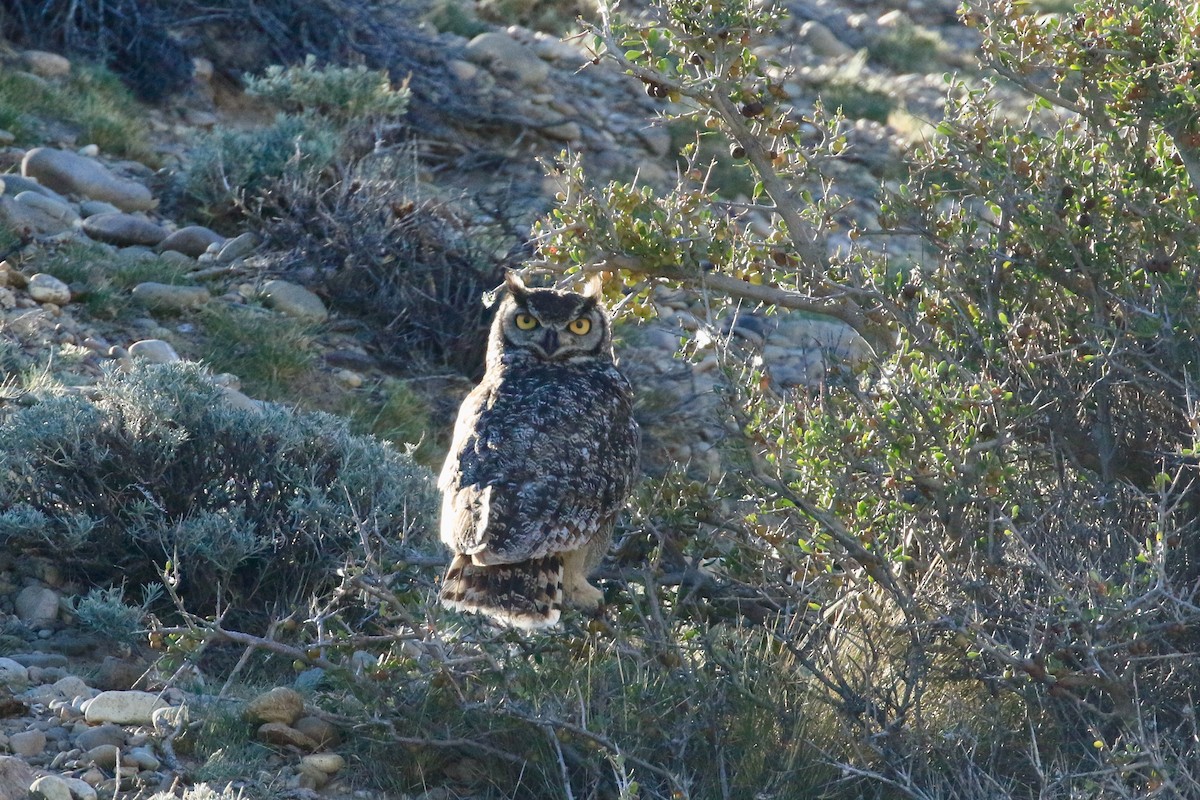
544,453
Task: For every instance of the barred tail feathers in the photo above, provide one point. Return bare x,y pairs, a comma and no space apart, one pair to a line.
526,594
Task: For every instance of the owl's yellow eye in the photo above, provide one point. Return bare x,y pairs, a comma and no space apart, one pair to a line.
525,322
580,326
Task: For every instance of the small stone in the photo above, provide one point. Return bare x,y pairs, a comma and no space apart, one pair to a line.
123,708
463,70
44,214
294,300
568,131
118,674
123,229
46,65
193,240
80,790
106,734
508,59
92,777
156,351
37,605
348,378
310,777
90,208
105,756
143,758
280,704
822,42
7,137
167,297
281,735
50,787
71,173
237,247
27,743
43,660
329,763
13,675
321,731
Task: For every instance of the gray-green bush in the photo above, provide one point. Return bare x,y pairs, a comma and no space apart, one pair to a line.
254,507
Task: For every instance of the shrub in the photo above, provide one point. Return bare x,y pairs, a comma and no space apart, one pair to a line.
160,470
131,37
232,172
415,269
102,277
344,95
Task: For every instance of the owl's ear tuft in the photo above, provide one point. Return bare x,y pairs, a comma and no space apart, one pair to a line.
515,286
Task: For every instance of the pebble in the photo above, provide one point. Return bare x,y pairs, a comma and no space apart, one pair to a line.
45,64
15,778
37,605
321,731
294,301
123,708
192,241
123,229
13,675
281,735
281,705
71,173
168,297
156,351
47,214
237,247
104,756
27,743
43,660
106,734
329,763
508,59
50,787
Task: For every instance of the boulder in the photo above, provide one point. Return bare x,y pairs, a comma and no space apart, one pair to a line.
71,173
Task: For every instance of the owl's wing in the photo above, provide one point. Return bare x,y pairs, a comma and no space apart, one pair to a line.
540,473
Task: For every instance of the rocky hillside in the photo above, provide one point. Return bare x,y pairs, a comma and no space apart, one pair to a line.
112,254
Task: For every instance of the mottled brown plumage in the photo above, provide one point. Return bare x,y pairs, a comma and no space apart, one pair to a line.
543,458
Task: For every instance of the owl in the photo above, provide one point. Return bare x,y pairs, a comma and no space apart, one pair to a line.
544,454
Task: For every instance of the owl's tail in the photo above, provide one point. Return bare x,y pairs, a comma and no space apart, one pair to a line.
527,594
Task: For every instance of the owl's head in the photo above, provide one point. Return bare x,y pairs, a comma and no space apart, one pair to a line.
550,324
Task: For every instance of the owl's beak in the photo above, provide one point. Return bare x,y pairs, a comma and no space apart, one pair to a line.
550,342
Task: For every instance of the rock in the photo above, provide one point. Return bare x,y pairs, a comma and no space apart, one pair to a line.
143,758
282,735
16,184
156,351
7,137
238,247
80,790
348,378
13,675
123,708
106,734
821,41
105,756
118,674
27,743
329,763
280,704
90,208
123,229
321,731
15,778
46,214
39,659
70,173
508,59
166,297
568,131
193,240
294,300
50,787
37,605
67,688
46,65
